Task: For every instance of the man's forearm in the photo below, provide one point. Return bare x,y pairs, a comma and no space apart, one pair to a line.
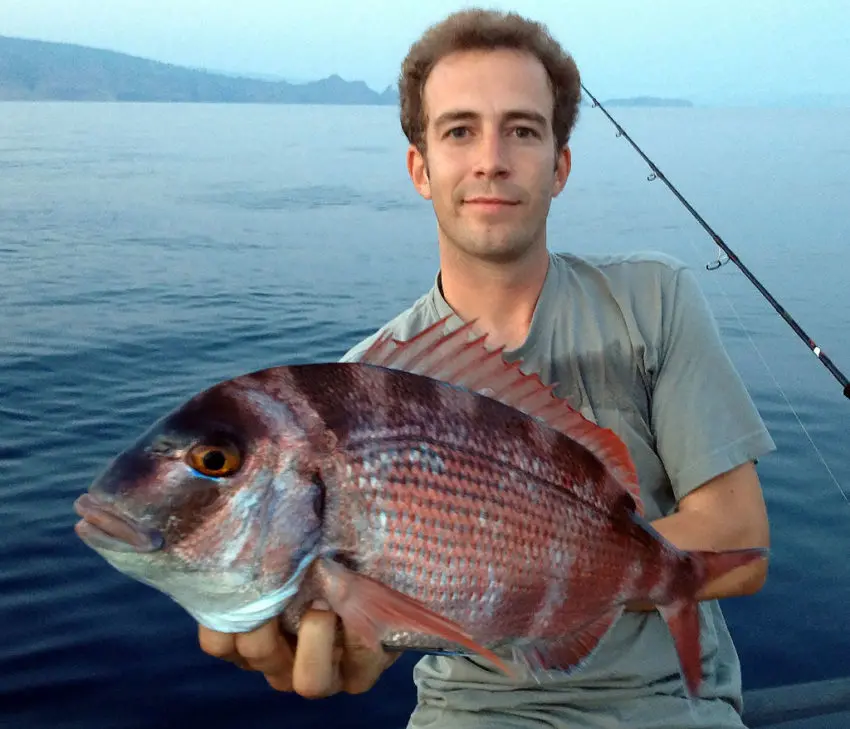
691,531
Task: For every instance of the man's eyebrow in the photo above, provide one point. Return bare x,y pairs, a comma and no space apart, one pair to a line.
456,115
527,115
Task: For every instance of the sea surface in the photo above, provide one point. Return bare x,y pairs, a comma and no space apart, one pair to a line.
149,251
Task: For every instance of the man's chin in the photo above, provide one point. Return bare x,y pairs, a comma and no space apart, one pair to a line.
497,251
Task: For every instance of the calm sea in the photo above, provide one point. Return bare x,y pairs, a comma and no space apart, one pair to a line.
148,251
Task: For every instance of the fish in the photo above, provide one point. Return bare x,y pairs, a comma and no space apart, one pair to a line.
433,494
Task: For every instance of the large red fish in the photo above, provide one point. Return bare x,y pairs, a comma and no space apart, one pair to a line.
434,495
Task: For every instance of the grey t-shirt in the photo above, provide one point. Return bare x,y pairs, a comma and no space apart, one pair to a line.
635,348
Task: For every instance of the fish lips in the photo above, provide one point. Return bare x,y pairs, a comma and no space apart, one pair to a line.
102,528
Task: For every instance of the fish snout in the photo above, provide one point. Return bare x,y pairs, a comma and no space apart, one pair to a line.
102,527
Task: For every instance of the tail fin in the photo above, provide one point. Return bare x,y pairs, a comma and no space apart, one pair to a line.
718,564
682,616
682,619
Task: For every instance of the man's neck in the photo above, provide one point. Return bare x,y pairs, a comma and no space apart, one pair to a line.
501,297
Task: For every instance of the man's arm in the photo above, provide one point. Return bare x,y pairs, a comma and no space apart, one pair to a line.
727,512
708,433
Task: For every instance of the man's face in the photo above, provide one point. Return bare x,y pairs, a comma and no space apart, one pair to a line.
491,168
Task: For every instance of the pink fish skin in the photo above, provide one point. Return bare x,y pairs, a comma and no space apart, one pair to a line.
433,494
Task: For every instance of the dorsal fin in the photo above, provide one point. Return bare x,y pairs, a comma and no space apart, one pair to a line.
459,360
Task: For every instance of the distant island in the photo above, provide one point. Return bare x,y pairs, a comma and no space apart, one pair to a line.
32,70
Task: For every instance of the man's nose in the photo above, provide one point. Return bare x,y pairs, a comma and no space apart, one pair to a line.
492,159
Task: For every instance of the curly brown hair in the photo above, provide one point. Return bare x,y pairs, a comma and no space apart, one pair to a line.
475,29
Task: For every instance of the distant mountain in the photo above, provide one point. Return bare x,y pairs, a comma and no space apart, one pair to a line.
647,101
32,70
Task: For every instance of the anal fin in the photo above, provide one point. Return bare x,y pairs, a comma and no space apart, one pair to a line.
570,652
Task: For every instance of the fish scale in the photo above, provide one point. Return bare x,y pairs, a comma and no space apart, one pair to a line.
447,501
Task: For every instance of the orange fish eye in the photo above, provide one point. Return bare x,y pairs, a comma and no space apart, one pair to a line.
215,460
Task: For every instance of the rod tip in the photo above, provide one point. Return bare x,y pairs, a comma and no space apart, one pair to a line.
847,390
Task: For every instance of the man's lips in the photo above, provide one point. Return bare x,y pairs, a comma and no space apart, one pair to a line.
489,201
490,206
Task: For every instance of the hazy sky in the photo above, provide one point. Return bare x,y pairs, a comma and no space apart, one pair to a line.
711,51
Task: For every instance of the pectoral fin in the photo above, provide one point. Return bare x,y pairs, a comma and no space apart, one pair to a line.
370,610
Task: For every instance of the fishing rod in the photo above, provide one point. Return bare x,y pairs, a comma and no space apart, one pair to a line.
730,255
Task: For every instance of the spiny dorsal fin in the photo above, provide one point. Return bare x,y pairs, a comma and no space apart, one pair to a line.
466,362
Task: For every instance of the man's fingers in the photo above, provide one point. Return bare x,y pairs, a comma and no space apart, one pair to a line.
314,666
362,665
280,682
217,645
265,650
316,672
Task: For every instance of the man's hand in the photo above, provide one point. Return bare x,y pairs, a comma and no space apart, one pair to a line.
314,665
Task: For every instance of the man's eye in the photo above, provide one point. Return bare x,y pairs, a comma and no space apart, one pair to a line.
457,132
526,132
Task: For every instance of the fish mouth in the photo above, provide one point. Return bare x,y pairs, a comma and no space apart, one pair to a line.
102,528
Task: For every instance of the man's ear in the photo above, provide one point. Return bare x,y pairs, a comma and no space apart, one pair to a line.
563,165
417,168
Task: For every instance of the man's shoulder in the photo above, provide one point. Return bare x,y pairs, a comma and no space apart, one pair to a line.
409,322
647,283
634,265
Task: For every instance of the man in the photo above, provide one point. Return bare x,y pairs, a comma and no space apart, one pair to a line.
488,101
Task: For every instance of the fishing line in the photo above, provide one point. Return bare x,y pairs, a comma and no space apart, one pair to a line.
730,255
781,391
723,256
764,361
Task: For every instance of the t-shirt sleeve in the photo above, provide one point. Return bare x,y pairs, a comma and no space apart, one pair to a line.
355,354
705,421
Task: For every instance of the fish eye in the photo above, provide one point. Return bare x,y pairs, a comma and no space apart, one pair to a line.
219,459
